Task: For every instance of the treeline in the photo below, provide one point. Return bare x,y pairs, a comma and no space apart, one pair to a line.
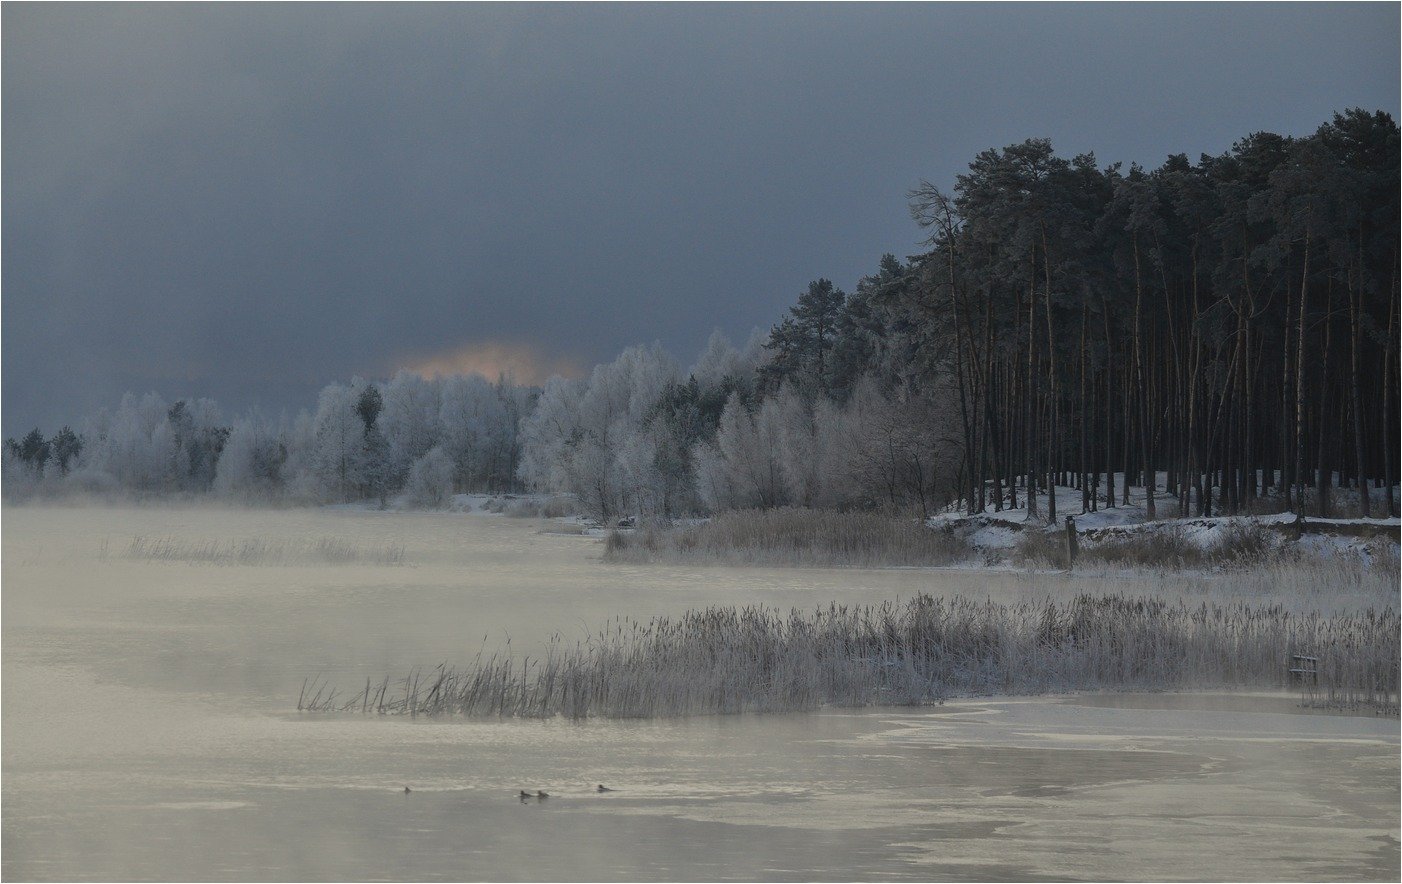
1222,335
427,437
1216,332
637,437
640,437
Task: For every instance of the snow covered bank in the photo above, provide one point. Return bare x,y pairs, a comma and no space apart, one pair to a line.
1123,535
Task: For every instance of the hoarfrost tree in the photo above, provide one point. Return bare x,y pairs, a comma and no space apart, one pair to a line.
719,361
548,434
251,464
198,436
430,482
339,455
744,468
503,440
409,420
469,410
136,448
583,438
799,445
301,481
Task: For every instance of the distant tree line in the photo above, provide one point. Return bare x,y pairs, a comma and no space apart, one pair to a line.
826,410
427,437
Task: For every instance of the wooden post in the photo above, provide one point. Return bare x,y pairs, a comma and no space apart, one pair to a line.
1071,546
1304,673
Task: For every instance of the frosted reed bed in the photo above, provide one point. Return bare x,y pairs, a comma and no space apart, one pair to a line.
263,551
752,659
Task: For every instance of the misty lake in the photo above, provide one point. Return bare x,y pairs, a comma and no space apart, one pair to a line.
152,660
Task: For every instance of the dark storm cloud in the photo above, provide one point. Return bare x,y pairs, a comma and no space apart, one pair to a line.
248,201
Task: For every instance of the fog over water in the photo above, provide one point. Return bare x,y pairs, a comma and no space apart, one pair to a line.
150,730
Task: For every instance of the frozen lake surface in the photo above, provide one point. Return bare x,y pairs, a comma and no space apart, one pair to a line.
150,732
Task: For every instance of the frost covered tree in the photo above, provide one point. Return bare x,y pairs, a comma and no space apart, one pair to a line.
409,420
502,441
146,446
301,481
719,361
744,466
799,446
794,448
198,436
379,473
469,410
339,454
898,452
361,440
583,437
135,448
430,482
251,465
548,434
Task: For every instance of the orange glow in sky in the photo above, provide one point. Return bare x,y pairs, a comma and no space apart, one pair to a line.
524,363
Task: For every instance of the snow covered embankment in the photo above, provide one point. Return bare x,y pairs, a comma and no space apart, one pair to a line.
1124,535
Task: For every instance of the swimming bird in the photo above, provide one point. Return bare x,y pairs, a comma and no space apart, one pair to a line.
540,794
603,788
525,795
407,790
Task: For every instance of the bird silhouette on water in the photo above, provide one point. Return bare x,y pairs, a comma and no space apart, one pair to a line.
407,790
541,795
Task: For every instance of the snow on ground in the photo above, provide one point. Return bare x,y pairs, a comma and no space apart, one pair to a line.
999,532
471,503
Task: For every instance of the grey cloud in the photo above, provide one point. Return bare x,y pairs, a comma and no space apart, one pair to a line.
248,201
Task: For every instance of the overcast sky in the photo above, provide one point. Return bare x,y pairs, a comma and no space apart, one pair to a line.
250,201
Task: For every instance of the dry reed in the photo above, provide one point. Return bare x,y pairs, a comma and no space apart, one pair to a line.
532,508
792,536
262,551
731,660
